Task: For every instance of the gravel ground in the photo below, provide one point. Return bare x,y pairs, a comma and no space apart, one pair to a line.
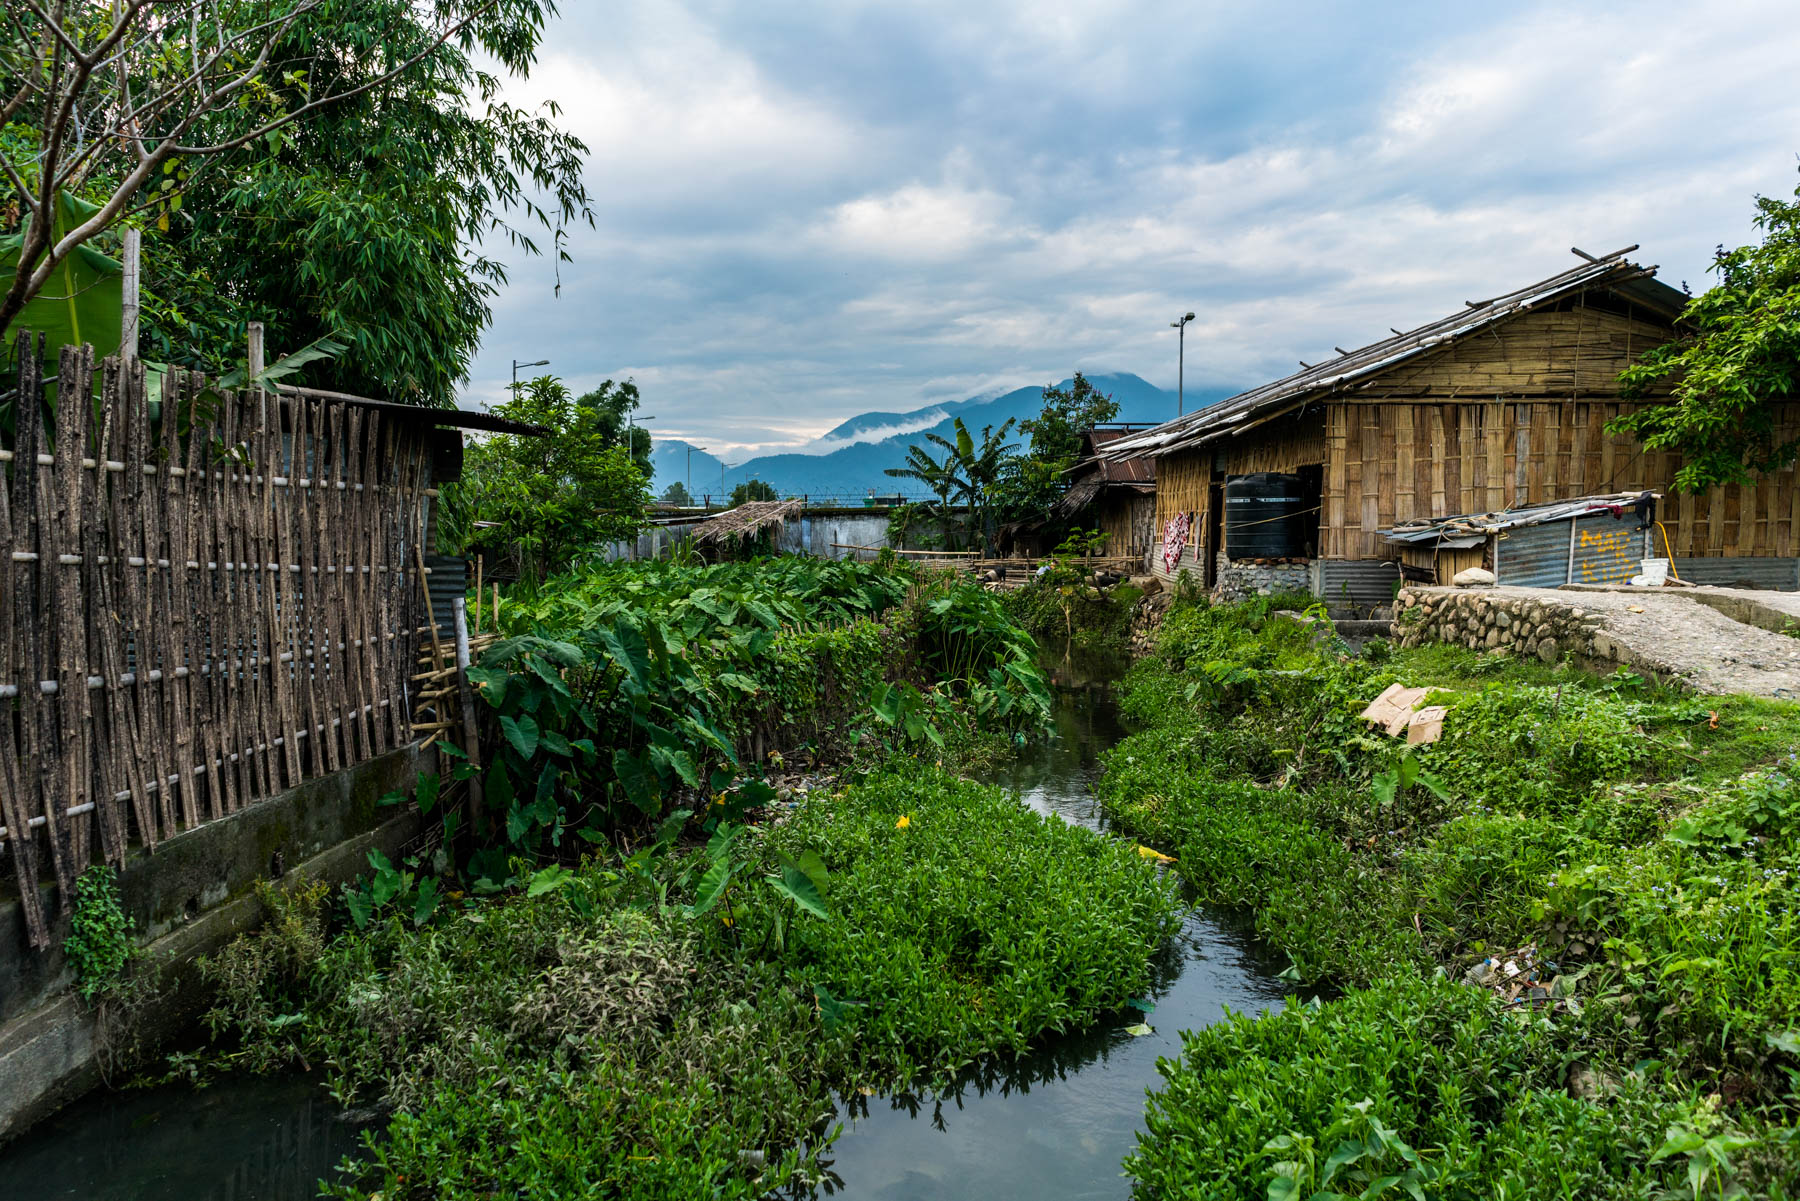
1672,634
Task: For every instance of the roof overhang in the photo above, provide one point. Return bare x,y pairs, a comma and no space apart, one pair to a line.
1249,409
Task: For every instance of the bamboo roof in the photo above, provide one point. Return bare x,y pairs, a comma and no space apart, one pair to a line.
747,520
1228,417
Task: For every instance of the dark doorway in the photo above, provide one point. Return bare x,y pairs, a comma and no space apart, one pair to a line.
1306,525
1215,534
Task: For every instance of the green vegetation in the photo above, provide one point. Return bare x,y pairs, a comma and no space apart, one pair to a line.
1737,358
1639,840
1064,603
543,502
99,943
639,1028
751,490
630,685
993,480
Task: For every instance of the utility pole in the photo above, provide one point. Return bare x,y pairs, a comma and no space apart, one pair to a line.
1181,363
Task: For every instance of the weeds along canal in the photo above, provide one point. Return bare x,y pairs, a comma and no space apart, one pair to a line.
1056,1123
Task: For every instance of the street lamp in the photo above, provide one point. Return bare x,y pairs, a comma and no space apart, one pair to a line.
690,469
517,365
1180,362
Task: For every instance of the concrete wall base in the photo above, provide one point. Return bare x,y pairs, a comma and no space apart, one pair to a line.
190,897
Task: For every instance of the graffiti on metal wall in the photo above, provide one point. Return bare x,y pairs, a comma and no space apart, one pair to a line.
1607,556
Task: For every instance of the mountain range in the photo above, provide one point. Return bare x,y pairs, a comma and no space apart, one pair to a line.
850,460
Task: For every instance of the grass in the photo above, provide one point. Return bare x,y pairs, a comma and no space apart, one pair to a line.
1643,838
598,1039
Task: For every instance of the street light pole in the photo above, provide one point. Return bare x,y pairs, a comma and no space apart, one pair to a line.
1181,363
690,470
516,365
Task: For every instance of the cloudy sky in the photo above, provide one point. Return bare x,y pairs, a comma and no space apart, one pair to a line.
809,210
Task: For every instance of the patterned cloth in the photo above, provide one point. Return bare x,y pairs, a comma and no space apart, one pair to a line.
1175,532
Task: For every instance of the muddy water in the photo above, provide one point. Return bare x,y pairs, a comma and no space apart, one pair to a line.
1056,1124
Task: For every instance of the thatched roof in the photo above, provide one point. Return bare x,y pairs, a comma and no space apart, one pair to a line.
746,521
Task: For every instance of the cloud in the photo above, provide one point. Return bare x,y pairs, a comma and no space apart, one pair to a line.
812,210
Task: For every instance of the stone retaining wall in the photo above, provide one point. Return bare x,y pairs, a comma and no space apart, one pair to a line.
1240,579
1484,620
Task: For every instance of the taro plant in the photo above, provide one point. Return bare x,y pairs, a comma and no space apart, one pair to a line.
726,867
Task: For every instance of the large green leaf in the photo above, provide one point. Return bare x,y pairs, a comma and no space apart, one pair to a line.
522,733
799,888
639,780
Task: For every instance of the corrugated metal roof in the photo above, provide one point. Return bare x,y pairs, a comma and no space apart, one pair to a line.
1442,529
1140,470
1229,416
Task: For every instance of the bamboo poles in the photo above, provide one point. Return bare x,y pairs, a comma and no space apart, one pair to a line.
205,598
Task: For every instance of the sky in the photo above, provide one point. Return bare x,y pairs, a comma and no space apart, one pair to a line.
805,211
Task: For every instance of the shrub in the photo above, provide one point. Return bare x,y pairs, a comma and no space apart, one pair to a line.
1429,1082
99,943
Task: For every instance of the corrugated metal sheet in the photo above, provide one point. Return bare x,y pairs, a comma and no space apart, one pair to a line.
1775,575
449,578
1608,549
1533,556
1355,583
1605,550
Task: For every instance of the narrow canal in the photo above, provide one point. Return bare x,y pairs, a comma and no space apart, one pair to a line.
1055,1124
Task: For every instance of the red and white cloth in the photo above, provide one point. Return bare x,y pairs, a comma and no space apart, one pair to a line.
1175,532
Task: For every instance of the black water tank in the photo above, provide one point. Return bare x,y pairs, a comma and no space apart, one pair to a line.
1262,516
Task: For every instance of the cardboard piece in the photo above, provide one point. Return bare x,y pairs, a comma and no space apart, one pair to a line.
1395,712
1427,725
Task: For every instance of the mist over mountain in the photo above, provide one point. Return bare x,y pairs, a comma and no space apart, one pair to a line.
850,460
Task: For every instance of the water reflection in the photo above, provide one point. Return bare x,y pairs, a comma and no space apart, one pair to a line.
1056,1123
243,1139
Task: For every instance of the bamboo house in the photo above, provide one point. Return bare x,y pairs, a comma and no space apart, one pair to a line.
1499,407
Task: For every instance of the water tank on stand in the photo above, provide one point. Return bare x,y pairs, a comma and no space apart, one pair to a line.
1262,512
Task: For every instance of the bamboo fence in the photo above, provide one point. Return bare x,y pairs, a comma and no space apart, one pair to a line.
202,603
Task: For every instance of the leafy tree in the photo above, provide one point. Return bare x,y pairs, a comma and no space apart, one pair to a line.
1737,358
751,490
320,165
611,405
548,498
969,471
677,494
935,475
1056,430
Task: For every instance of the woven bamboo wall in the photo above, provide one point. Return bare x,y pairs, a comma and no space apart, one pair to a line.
199,610
1125,518
1388,462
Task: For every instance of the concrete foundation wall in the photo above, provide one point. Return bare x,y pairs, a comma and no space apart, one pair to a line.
187,899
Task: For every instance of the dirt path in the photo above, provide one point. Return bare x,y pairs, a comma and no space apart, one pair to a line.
1673,632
